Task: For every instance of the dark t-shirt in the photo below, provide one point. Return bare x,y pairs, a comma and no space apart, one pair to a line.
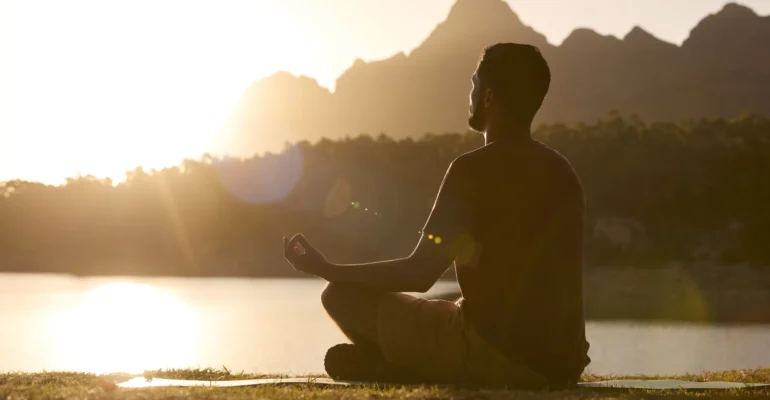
512,213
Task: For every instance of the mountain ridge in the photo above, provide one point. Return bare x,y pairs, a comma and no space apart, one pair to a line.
716,72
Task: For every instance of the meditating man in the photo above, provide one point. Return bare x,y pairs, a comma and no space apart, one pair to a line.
510,217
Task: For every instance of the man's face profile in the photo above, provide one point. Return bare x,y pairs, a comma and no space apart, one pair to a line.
476,119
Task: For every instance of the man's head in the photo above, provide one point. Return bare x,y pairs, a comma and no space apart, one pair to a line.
510,82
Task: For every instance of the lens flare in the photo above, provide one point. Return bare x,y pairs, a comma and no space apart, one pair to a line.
338,199
262,180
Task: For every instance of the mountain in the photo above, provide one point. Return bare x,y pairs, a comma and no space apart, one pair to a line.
278,109
721,70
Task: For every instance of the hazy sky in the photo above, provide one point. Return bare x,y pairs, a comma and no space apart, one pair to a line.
102,86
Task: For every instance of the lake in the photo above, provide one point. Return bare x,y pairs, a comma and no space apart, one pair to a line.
104,325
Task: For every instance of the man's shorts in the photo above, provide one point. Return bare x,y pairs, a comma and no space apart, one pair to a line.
432,339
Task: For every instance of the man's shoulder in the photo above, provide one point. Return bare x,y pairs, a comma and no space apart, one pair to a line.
561,171
508,153
473,157
490,157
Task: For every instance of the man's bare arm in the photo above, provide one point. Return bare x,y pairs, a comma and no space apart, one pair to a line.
415,273
449,219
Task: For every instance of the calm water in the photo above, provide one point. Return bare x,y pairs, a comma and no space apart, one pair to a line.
273,326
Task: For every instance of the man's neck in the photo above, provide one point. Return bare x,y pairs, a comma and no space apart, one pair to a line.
506,130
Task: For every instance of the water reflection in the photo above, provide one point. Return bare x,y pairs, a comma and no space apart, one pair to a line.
126,327
278,326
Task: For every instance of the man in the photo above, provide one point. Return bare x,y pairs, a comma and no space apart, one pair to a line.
510,217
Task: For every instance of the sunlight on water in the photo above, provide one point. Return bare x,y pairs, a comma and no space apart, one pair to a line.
277,326
125,327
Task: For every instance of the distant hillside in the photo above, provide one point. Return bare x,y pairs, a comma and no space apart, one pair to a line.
721,70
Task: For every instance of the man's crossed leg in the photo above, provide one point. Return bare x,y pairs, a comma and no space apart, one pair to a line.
404,339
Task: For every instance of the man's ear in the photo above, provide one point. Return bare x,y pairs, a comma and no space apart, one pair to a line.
488,98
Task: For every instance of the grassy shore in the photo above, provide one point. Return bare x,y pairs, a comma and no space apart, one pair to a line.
66,385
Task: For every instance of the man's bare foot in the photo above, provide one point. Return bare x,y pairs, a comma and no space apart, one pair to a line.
350,362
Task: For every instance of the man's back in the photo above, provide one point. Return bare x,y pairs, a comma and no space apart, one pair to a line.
523,206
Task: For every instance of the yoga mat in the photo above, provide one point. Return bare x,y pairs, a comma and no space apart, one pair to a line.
667,384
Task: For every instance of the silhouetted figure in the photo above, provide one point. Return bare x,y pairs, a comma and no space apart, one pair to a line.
510,217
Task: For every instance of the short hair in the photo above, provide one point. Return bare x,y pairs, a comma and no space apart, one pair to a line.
518,76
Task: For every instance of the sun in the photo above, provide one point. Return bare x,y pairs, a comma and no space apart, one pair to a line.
125,327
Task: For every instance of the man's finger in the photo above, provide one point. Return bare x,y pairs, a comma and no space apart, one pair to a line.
295,247
302,241
298,249
286,250
302,246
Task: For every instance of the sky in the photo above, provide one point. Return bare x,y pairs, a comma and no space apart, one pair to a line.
103,86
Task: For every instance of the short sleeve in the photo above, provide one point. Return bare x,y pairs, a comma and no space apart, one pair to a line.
452,213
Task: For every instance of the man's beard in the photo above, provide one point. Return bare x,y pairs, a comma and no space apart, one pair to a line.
476,120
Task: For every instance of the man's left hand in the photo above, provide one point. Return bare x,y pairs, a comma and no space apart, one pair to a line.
303,256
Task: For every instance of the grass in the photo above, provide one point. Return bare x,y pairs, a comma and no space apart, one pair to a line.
71,385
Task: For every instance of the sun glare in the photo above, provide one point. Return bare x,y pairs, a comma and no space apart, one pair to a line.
125,327
94,95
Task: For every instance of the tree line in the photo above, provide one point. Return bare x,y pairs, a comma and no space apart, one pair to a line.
656,192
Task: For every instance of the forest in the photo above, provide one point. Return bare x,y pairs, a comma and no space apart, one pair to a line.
694,191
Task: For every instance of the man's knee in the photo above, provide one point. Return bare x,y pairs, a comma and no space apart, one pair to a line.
335,296
354,309
344,298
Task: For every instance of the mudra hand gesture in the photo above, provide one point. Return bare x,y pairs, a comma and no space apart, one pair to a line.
303,256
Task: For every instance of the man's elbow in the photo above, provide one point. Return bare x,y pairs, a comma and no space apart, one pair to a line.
428,266
428,277
423,287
